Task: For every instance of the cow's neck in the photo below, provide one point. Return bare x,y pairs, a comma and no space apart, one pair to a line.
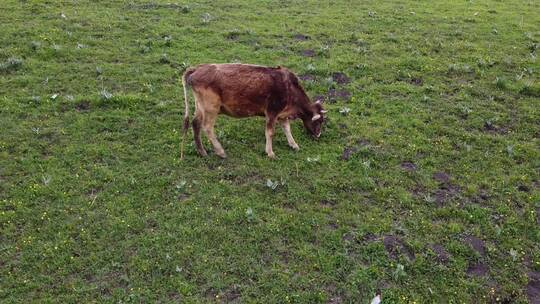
304,110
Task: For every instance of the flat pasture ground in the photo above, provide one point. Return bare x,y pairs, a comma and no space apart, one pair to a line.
425,183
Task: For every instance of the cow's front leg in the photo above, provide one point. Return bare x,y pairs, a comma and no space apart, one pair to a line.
269,132
287,129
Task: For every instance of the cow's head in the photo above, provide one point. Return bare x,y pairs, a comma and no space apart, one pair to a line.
313,123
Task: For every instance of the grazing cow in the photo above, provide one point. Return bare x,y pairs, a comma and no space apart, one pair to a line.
242,90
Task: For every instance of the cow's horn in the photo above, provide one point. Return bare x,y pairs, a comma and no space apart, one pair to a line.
315,117
324,111
318,101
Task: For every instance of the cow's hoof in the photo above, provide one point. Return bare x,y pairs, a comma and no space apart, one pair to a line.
202,153
295,147
221,154
271,155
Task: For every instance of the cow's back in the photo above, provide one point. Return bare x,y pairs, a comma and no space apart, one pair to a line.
244,90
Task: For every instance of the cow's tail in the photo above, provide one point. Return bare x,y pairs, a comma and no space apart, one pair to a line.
185,126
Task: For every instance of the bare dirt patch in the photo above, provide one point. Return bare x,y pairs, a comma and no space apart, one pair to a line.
369,237
481,196
417,81
340,78
335,297
175,297
151,6
242,179
232,36
476,244
350,150
82,106
395,246
447,190
477,269
445,194
338,94
327,203
441,177
301,37
349,237
335,300
500,295
319,97
333,225
308,53
210,294
307,77
284,257
50,137
94,192
182,197
231,295
533,287
442,255
408,166
494,129
419,191
524,188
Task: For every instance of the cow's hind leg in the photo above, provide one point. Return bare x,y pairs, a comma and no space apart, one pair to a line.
210,103
208,126
197,124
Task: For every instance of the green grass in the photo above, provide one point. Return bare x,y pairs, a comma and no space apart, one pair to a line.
441,142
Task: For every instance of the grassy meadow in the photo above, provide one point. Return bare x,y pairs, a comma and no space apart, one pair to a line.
425,183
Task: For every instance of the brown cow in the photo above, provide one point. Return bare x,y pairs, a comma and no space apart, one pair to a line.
242,90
